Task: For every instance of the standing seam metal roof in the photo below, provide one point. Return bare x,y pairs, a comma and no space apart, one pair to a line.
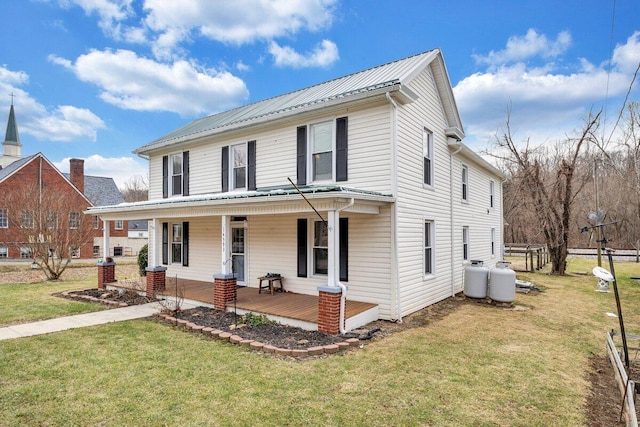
386,75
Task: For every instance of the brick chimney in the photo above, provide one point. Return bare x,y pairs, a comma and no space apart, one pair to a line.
76,171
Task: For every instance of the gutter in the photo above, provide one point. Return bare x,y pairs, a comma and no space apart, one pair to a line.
452,141
394,210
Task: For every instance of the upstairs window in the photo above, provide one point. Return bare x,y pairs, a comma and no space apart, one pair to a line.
175,174
52,220
465,183
118,224
491,187
239,166
96,222
27,219
74,220
322,152
427,147
4,218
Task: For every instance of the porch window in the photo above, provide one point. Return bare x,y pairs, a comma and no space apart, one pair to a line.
27,219
322,151
4,218
74,220
465,243
465,183
320,248
428,247
4,252
427,147
176,243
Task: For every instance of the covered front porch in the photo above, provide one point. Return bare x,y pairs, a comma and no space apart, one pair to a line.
284,307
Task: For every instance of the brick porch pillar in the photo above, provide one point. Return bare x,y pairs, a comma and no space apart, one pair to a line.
106,273
224,290
156,280
329,309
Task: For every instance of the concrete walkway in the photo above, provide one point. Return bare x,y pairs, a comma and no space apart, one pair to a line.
82,320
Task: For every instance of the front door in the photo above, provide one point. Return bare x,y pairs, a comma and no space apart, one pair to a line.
238,264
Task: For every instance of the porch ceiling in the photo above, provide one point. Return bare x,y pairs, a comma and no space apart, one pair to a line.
264,201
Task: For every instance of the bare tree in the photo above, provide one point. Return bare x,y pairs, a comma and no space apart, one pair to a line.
50,228
546,180
135,189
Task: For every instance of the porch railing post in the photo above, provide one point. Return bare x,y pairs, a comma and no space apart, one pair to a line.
329,309
156,280
224,290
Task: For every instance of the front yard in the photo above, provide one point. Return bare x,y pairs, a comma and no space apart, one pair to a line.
473,365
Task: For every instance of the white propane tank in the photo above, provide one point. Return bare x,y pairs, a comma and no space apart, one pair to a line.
476,279
502,283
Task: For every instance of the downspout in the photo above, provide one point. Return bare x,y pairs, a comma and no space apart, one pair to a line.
343,287
453,290
394,210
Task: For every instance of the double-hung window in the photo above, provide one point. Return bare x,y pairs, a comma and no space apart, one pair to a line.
176,174
74,220
465,243
4,252
52,219
176,243
322,137
428,247
25,252
239,166
427,147
493,242
491,194
96,222
320,248
4,218
118,224
465,183
27,219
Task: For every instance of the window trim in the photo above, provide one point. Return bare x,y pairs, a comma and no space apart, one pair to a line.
427,155
116,226
428,237
464,177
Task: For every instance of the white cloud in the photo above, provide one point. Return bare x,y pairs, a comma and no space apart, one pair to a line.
137,83
121,169
111,14
541,98
322,55
530,45
60,123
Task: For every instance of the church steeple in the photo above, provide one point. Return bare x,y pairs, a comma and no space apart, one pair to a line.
11,147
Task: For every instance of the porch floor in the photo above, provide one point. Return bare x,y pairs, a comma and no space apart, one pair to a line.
283,304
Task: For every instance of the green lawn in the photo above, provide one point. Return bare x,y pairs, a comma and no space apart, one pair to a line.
478,366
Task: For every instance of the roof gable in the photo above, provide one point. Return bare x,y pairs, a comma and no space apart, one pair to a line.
390,77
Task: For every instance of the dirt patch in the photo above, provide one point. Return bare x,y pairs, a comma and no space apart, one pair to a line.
125,296
604,400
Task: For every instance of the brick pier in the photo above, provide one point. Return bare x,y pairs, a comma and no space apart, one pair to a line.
224,290
329,309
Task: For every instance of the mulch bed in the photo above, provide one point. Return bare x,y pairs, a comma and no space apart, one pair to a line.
115,297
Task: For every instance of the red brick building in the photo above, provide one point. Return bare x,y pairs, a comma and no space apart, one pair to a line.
27,184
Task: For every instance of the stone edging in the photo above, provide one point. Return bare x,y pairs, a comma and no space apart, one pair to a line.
350,343
89,298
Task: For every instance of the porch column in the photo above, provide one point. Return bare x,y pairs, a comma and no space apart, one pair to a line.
156,280
226,245
329,309
105,239
333,272
224,290
155,248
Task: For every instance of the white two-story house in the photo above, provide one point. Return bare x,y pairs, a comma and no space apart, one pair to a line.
359,186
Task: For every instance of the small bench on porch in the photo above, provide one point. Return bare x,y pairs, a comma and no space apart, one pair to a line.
271,281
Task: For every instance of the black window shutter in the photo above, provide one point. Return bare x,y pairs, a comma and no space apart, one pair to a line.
165,177
185,244
341,149
251,165
301,158
225,169
302,248
165,243
185,173
344,249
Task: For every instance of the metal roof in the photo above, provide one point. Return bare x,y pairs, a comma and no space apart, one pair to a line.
12,136
343,89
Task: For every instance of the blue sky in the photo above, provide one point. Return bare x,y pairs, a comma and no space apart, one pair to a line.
95,79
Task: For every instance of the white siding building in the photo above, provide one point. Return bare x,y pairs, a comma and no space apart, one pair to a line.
402,204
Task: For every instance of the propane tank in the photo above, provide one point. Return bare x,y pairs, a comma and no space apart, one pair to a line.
476,278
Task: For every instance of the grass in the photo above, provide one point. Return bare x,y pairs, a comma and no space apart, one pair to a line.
478,366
